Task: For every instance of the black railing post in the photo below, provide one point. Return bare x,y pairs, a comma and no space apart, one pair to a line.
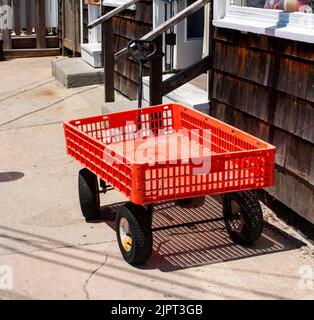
211,49
155,79
108,58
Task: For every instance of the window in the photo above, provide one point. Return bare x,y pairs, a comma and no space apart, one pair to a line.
288,19
195,23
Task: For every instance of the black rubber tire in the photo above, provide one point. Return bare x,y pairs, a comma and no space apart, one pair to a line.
89,194
252,215
141,231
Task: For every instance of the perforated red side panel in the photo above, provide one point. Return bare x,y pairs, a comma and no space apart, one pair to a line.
237,161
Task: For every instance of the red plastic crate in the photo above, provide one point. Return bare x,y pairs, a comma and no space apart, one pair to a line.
156,154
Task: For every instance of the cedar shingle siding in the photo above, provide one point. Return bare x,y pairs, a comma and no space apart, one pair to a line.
127,26
265,85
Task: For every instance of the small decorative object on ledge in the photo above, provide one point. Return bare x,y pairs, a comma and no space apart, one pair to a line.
289,5
1,50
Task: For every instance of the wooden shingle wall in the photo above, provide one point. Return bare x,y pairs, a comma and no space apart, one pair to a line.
265,86
130,25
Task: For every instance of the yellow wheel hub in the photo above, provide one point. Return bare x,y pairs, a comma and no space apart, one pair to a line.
125,234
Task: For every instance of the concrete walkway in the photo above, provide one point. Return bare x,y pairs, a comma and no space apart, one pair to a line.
54,254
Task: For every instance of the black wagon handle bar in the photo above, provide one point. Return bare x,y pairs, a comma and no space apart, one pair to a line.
139,44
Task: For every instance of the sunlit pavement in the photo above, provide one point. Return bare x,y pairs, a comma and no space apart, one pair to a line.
48,251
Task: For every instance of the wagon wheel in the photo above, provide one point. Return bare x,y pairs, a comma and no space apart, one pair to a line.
243,217
134,233
89,194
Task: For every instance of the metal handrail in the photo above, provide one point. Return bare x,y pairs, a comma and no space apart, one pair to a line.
185,13
156,34
197,5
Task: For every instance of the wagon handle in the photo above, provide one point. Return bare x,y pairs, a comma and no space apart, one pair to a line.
142,51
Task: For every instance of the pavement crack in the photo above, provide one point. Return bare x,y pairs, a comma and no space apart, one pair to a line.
24,89
85,289
32,126
55,248
49,106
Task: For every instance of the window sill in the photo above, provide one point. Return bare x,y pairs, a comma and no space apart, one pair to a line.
117,3
294,26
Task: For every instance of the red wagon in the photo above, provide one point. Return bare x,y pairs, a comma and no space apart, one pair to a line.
165,153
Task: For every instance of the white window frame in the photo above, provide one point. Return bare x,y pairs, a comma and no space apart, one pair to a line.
117,3
294,26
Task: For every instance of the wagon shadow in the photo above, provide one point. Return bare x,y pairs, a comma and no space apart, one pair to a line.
194,235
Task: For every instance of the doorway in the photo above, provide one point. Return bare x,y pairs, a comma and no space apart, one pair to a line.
183,44
71,26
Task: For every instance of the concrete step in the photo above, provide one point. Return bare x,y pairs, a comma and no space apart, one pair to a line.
92,54
111,107
74,72
31,53
188,94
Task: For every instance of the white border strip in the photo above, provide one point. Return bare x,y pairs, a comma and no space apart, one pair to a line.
294,26
117,3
